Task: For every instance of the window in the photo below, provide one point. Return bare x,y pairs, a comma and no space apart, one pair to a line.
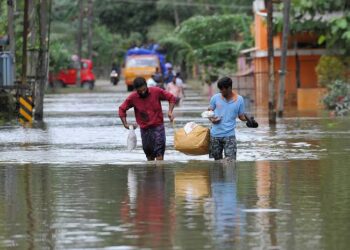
142,61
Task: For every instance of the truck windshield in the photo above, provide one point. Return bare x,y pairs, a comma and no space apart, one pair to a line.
142,62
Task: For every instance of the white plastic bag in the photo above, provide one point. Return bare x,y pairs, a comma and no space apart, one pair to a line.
189,127
207,114
132,139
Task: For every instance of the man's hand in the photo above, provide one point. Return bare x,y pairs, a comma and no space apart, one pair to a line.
171,116
127,126
251,123
215,120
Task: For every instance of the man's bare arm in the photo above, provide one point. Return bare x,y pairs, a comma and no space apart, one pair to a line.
126,124
170,112
242,118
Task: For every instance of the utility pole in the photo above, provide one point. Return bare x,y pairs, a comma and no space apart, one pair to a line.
42,61
271,62
282,72
25,38
90,27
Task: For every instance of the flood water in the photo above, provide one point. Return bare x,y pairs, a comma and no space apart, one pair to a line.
70,183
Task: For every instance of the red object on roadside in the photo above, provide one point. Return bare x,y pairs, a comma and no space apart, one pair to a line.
86,73
69,76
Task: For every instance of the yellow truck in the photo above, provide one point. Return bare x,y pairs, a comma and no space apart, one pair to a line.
137,63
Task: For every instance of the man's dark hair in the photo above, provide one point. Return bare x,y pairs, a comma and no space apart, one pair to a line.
139,82
225,82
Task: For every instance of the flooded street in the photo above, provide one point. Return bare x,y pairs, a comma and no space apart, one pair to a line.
71,183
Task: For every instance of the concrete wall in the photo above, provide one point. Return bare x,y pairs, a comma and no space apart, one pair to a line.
308,78
311,98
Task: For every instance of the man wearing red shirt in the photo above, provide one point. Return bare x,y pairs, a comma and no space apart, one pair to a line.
149,116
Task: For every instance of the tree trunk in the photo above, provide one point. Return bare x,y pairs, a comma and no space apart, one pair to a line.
32,32
297,65
24,45
80,29
90,27
31,22
80,38
176,14
286,9
11,32
42,61
271,63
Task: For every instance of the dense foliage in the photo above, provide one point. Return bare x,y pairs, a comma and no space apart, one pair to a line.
329,69
125,18
329,19
338,98
212,41
209,32
121,24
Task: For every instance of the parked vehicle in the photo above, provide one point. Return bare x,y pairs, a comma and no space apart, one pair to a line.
140,62
68,76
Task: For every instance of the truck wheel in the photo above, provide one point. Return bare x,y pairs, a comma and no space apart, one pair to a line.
130,88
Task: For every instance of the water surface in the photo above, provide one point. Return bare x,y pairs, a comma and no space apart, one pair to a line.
70,183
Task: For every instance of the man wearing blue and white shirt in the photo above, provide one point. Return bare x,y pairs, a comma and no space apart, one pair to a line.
227,106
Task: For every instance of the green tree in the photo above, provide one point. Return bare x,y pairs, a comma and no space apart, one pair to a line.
106,45
329,19
212,41
205,30
329,69
159,30
125,18
118,24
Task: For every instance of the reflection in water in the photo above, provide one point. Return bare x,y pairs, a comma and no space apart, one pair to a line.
25,211
191,184
148,209
265,221
227,217
132,189
204,198
29,207
197,205
211,194
11,203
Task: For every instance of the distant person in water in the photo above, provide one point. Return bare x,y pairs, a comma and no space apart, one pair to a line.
176,87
